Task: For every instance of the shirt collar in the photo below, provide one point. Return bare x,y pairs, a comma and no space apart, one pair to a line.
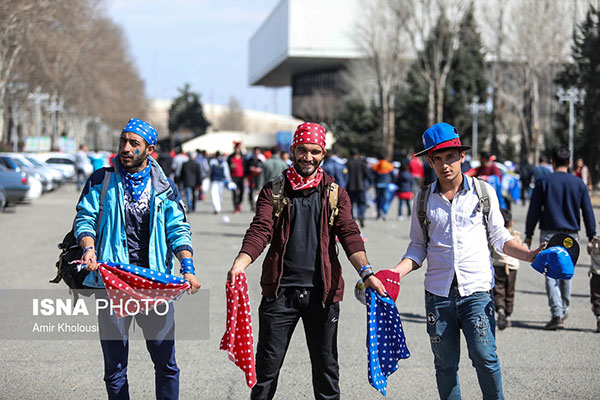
465,185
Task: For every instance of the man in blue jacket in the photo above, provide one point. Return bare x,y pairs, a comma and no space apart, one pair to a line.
142,223
555,202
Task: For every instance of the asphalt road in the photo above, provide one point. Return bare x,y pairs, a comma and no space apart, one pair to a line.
536,364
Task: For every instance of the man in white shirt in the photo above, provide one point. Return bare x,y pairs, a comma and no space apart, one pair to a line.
459,275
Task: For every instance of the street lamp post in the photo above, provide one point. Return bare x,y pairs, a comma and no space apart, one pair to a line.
53,108
572,95
475,108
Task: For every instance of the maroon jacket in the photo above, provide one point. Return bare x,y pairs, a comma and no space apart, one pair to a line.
266,228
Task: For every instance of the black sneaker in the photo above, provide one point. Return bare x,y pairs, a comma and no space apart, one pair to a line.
598,326
501,320
554,324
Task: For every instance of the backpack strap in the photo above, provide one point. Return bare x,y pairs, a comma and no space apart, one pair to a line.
484,203
278,198
422,199
333,202
105,183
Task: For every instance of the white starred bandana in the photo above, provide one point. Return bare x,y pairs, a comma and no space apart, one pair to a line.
136,183
386,343
298,182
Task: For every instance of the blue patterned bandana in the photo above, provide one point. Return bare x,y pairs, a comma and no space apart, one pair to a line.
142,128
385,339
136,183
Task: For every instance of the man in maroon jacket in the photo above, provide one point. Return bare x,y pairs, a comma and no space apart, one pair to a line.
302,276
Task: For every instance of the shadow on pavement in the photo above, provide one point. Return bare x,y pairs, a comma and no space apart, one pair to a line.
225,234
412,317
583,296
539,326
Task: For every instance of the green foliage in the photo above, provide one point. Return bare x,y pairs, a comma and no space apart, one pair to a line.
584,74
186,112
357,125
411,112
466,80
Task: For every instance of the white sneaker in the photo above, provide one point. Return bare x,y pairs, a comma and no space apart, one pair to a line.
400,218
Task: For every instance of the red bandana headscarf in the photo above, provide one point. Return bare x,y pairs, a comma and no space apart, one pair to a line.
312,133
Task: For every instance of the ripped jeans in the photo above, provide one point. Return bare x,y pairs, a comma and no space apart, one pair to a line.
474,314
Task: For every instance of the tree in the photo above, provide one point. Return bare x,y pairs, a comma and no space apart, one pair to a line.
233,118
434,45
357,126
187,113
467,77
584,74
380,37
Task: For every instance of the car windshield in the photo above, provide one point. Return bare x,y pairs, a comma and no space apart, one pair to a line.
34,162
56,160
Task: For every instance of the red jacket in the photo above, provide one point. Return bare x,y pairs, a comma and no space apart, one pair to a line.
266,228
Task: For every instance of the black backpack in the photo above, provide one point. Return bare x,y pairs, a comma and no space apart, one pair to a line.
71,251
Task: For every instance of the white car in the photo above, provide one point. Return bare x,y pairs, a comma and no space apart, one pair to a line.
61,161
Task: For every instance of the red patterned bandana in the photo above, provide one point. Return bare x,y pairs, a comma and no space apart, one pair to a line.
298,182
309,132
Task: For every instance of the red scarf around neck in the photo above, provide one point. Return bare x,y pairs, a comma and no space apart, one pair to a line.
298,182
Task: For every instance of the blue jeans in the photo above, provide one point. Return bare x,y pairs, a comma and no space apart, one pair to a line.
474,314
382,198
190,198
116,352
557,290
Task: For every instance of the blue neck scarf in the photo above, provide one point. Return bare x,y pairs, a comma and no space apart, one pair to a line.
136,183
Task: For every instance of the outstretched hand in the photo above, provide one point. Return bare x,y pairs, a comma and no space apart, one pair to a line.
374,283
534,253
195,284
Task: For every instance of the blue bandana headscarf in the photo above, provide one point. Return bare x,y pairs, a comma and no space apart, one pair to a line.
385,339
142,128
136,183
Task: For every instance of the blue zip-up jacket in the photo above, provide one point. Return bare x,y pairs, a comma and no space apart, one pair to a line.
169,230
555,203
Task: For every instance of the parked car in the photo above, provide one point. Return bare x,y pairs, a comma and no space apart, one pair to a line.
16,184
62,161
56,175
3,199
25,165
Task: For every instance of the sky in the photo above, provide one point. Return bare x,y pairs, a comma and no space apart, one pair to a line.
200,42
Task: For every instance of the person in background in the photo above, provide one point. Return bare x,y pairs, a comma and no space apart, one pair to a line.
556,202
81,160
358,177
416,169
236,168
487,167
593,249
165,161
191,178
336,167
285,156
253,168
271,168
178,161
219,176
202,160
383,176
405,182
505,276
582,171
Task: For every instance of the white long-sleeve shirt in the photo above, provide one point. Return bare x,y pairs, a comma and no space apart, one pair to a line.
457,241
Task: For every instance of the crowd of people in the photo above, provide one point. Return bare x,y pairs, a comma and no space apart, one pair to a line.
307,203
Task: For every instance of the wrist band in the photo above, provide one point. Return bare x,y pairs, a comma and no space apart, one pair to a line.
187,266
364,268
367,276
88,248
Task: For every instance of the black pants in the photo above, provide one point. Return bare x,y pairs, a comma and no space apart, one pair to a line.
238,193
595,293
278,319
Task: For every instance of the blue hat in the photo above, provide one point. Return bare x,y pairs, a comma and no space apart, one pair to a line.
555,262
441,136
142,128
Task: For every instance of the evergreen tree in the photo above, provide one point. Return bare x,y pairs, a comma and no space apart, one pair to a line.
585,74
357,125
467,79
186,112
411,113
